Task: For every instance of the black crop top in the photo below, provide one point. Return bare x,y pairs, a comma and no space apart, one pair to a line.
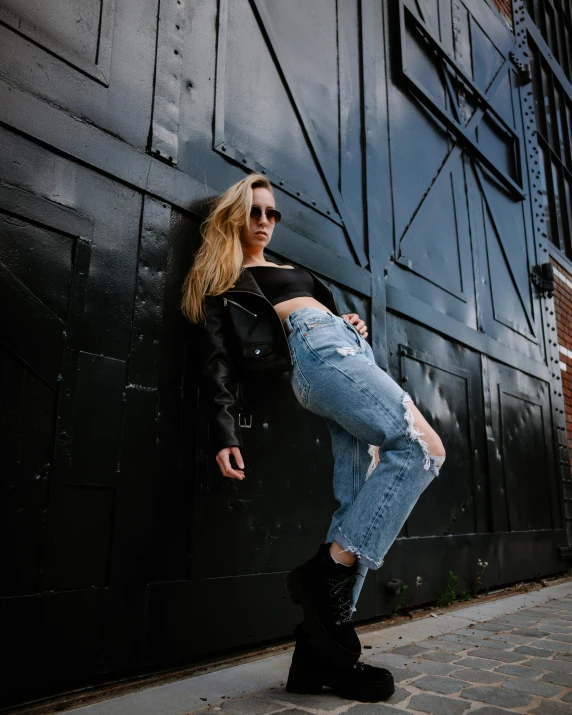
280,284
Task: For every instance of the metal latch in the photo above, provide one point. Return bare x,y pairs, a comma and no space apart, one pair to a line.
543,278
524,71
394,586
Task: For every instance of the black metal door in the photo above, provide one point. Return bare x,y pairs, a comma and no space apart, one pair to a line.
459,266
64,345
69,226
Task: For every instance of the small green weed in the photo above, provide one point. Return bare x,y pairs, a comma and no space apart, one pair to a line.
401,600
449,595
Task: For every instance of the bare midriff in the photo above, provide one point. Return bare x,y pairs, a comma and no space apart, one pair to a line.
289,306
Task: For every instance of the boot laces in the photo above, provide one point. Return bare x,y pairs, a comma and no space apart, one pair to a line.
340,592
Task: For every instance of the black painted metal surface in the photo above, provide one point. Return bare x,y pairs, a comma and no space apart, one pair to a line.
550,58
400,143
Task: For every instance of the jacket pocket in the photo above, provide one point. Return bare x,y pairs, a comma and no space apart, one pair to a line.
257,350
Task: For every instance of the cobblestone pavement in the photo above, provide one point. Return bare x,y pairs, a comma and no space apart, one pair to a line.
520,662
510,655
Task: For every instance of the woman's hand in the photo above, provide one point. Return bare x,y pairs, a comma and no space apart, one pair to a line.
354,319
223,461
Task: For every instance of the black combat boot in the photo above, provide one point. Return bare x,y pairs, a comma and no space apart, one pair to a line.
324,589
310,671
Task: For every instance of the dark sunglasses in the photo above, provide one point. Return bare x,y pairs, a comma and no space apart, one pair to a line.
273,215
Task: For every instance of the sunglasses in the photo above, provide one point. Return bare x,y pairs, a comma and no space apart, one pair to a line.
273,215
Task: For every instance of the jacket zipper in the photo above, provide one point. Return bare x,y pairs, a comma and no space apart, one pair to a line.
275,313
238,305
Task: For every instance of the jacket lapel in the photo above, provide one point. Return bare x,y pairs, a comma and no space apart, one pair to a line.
246,282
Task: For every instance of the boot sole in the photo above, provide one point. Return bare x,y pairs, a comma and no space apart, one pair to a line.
317,634
372,694
304,684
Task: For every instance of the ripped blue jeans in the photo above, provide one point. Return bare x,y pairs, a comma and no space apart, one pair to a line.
334,375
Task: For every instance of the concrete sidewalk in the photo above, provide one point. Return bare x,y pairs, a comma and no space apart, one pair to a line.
510,655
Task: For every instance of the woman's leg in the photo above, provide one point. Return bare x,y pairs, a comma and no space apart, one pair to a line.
336,377
352,465
375,518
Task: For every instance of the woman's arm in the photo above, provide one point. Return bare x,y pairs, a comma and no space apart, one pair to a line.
220,383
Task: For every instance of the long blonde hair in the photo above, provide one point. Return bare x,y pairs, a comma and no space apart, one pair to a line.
218,262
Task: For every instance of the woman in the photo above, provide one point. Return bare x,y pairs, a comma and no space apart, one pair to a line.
259,319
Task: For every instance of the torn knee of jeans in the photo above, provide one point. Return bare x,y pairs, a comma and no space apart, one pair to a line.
414,434
373,452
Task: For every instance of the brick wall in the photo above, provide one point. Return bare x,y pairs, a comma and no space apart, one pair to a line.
504,7
563,309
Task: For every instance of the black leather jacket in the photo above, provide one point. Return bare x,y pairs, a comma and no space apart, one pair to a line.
243,337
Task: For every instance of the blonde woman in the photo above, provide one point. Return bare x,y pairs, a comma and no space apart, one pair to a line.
258,319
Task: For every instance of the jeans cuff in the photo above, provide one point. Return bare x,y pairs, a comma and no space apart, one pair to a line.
346,545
